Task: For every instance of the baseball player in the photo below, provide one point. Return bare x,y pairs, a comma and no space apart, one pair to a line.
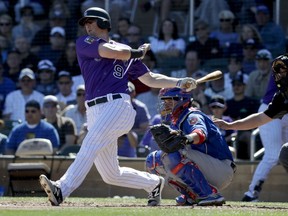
105,66
276,109
204,165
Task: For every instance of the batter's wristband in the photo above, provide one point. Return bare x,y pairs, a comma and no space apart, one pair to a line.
136,53
201,135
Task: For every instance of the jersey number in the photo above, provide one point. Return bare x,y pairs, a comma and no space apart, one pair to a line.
118,71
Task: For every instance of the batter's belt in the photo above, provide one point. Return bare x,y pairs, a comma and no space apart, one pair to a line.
102,100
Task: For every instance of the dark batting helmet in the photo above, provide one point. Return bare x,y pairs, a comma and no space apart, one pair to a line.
102,17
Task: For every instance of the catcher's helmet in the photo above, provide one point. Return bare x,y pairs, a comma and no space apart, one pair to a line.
182,100
101,15
280,74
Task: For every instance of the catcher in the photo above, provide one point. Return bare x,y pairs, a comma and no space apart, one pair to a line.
194,157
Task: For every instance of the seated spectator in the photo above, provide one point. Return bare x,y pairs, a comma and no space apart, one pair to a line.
38,8
12,65
6,25
259,78
14,106
65,126
192,66
127,144
239,107
123,25
142,114
28,59
272,34
168,44
33,127
26,27
207,47
77,112
68,60
65,96
134,36
250,49
56,47
6,86
4,48
3,138
226,33
46,83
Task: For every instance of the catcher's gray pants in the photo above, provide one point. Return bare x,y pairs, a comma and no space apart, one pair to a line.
218,173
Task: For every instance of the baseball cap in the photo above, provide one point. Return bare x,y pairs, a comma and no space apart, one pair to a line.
80,87
262,9
226,14
264,54
217,100
46,65
58,30
27,72
239,78
64,74
50,99
250,43
57,14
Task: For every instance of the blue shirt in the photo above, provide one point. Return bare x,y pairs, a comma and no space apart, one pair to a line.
102,75
42,130
214,145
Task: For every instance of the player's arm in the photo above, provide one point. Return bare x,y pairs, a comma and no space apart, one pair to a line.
161,81
114,51
250,122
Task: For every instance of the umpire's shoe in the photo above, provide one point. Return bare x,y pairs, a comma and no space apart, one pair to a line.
154,197
54,193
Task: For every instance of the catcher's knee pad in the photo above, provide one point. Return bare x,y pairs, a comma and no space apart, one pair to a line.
154,163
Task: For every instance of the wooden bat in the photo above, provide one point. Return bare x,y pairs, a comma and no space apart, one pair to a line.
210,77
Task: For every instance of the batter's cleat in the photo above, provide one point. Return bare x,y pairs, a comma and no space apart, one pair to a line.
54,193
247,198
183,200
154,197
214,199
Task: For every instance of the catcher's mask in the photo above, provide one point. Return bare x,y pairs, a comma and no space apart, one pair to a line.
173,101
280,74
153,161
100,15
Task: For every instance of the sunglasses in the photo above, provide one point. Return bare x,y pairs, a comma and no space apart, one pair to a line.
50,105
26,80
199,29
64,83
225,20
33,111
133,34
5,24
80,94
216,107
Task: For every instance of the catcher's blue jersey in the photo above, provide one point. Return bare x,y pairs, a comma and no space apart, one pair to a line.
214,145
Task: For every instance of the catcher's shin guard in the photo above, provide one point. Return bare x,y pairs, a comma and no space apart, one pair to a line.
190,174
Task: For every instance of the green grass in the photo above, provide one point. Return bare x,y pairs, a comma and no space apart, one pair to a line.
24,206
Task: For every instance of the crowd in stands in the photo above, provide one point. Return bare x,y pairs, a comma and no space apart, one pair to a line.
38,61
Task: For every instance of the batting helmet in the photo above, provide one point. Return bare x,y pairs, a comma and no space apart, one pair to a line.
280,74
101,15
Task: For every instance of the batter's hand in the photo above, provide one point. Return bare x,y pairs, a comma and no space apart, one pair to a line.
187,83
221,123
144,47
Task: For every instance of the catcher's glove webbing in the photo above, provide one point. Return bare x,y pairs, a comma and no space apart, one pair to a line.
168,140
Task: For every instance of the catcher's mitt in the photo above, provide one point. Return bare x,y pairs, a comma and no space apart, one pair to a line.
168,140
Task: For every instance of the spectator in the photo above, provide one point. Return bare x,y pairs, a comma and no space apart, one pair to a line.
26,27
4,48
206,46
77,112
28,59
244,10
250,49
168,43
65,126
46,74
3,138
15,101
134,36
272,34
38,8
6,86
54,50
192,66
226,33
142,114
239,107
123,25
6,25
258,79
65,96
34,127
12,66
68,60
127,144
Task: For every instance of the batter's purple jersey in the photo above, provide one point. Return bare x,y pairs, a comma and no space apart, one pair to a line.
102,75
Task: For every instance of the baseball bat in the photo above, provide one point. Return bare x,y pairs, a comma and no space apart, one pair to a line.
210,77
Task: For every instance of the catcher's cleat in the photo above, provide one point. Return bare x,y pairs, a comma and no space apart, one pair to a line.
214,199
54,193
183,200
247,198
154,197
